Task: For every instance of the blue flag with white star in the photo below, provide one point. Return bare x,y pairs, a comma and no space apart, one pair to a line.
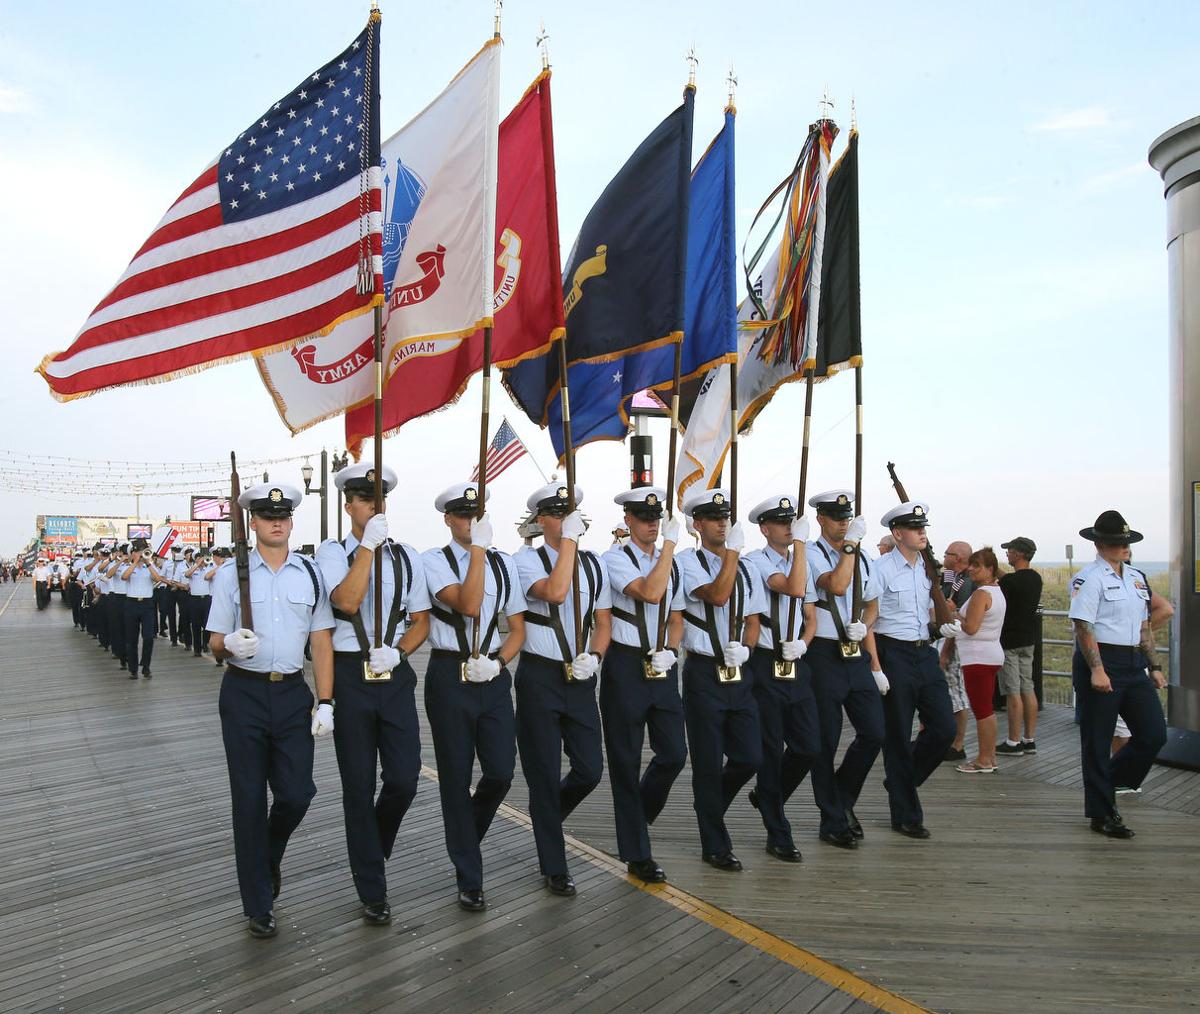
601,393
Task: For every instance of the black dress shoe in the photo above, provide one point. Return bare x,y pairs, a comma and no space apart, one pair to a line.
377,913
855,826
788,853
262,926
1111,826
133,675
472,901
560,884
146,672
752,795
726,861
276,880
842,839
195,654
918,831
647,870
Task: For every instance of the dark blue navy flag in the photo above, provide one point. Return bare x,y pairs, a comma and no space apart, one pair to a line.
601,392
623,287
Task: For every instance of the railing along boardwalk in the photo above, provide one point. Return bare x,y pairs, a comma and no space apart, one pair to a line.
117,888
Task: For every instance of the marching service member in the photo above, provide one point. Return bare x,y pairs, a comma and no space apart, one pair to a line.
375,688
639,685
139,576
268,720
556,684
468,696
718,704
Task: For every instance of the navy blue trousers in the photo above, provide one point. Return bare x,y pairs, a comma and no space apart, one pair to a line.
918,687
195,611
1135,699
116,625
725,743
556,717
375,731
469,720
267,729
791,736
181,606
139,618
840,684
630,705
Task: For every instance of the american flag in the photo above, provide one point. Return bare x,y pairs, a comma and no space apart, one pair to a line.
262,250
506,447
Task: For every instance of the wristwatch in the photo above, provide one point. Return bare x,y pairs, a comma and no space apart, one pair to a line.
403,654
849,548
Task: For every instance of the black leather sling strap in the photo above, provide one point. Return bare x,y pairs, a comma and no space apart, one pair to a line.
709,622
456,620
402,581
829,603
638,617
554,620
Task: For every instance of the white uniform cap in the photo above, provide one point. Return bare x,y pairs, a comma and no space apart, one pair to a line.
553,494
707,501
461,498
277,498
361,478
644,500
773,508
836,503
910,514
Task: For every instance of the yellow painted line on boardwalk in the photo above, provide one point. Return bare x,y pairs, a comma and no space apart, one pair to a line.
783,950
4,608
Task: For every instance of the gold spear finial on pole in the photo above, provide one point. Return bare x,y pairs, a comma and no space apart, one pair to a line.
853,116
543,43
825,105
496,20
693,61
732,81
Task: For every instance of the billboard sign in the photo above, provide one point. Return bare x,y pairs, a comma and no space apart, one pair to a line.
60,529
210,508
139,531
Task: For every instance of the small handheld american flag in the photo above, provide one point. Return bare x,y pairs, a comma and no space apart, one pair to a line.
505,448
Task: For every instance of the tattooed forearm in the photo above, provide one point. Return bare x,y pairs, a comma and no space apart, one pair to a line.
1149,648
1085,638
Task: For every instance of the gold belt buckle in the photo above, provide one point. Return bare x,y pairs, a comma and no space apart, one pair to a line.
569,673
650,672
275,677
729,674
784,670
850,649
371,676
462,673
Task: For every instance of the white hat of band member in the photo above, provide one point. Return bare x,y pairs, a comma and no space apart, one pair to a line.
552,499
773,508
712,503
910,514
834,503
645,502
360,479
270,499
461,498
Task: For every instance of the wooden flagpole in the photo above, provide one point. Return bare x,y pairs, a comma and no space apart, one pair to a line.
808,398
734,633
379,470
856,606
564,394
481,485
664,602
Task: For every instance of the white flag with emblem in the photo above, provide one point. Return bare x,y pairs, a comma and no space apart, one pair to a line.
439,225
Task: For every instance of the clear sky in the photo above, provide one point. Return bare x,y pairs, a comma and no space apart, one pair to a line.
1014,274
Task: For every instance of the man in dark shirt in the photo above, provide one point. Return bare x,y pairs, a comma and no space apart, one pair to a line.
1022,593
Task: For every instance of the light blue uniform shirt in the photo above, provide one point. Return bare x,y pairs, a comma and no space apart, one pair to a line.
1114,604
622,569
904,597
197,585
140,583
823,559
334,562
115,585
543,640
693,575
439,575
765,562
284,607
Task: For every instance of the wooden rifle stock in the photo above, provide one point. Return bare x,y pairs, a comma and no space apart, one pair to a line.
241,551
941,608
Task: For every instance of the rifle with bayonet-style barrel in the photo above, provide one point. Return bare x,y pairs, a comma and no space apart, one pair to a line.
241,550
941,608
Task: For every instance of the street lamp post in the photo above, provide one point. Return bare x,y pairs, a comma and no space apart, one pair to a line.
307,472
137,500
338,464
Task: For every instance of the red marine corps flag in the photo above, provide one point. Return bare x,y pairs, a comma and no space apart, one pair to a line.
278,239
426,374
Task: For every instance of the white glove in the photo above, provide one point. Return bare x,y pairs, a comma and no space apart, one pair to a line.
481,532
584,666
856,530
950,629
242,644
375,532
800,529
736,653
383,659
663,660
671,530
735,538
573,526
482,669
881,681
793,650
856,630
322,720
